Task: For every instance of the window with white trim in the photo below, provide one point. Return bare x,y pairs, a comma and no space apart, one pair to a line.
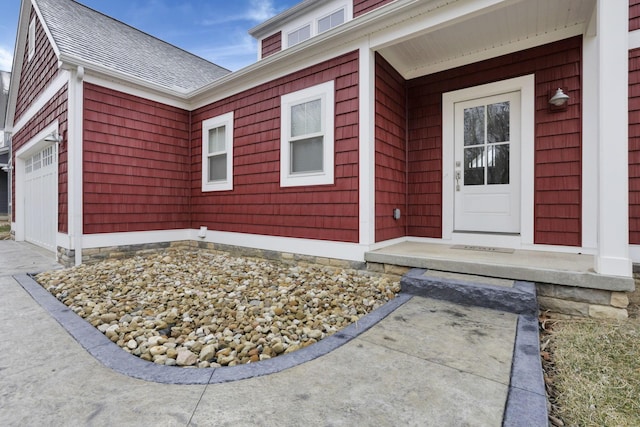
299,35
217,153
332,20
32,39
307,145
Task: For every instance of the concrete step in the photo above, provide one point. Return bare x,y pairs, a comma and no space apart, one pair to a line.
512,296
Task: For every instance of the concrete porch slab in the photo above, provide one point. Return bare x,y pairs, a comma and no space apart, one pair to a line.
533,266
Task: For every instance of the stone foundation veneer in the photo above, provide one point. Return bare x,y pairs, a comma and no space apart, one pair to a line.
558,300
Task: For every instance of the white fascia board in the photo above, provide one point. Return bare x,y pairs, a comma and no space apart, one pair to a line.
136,90
330,44
18,55
108,73
58,83
46,29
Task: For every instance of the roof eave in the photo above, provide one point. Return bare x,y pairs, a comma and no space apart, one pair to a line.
70,61
353,29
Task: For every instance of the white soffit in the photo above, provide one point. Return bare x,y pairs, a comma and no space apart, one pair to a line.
518,24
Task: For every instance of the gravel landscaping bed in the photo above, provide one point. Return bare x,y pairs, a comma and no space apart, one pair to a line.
201,309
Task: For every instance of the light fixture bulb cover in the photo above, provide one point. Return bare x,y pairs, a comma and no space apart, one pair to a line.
560,98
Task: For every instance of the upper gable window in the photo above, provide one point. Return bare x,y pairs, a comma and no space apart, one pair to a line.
299,35
32,38
306,147
217,153
332,20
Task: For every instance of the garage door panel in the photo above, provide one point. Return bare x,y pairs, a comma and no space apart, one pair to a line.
41,198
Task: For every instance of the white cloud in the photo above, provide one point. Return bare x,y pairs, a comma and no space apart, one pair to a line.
6,59
232,56
258,11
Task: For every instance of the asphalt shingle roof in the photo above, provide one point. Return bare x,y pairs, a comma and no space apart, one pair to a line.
86,34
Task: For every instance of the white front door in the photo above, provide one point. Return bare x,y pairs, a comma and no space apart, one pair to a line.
487,164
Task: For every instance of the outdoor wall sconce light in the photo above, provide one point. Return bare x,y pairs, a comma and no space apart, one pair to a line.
559,99
53,137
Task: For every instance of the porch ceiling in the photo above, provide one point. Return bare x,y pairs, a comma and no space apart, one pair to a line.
503,28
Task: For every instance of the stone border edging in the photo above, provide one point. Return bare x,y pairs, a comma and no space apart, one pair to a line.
527,398
113,357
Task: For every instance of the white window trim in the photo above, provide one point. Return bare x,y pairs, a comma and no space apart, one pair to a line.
325,92
212,123
32,39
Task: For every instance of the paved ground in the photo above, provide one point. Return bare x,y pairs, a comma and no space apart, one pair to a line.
428,362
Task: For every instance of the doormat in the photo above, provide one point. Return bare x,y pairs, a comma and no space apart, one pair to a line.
484,249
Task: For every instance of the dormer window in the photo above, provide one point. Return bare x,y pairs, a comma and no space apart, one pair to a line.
333,20
299,35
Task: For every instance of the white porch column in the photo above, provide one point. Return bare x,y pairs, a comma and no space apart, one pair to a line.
613,175
367,212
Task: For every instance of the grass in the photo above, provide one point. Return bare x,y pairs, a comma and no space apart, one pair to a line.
593,371
5,228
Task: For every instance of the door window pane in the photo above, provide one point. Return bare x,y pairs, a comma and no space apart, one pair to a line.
498,122
307,155
474,163
218,168
474,126
498,164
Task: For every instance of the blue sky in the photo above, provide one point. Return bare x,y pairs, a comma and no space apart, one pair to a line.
213,29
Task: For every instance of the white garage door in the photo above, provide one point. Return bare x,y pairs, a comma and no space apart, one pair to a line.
41,198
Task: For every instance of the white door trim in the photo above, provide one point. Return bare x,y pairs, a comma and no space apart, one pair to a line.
33,146
526,86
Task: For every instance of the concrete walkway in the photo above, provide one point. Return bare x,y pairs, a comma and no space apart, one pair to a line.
426,362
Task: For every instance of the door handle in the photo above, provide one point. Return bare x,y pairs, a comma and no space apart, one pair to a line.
458,176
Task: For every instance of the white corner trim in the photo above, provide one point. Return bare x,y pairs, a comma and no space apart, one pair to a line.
46,29
58,83
526,86
366,145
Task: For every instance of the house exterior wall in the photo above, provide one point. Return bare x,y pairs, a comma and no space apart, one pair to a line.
557,141
363,6
55,109
634,146
135,161
272,44
257,204
634,15
36,73
391,154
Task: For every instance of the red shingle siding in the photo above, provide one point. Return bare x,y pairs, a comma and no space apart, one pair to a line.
391,154
363,6
634,146
135,163
257,204
558,142
38,72
272,44
55,109
634,15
